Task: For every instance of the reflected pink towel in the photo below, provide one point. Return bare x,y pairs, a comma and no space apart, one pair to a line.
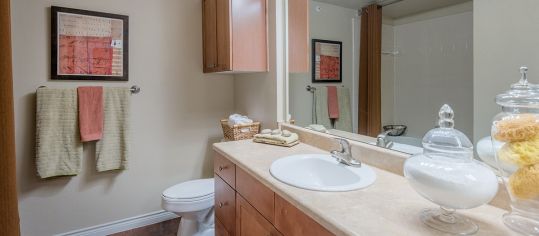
90,113
333,102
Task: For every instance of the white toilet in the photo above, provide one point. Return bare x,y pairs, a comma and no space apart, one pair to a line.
193,201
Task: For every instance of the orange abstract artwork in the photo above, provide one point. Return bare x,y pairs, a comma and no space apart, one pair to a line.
329,67
85,55
326,61
89,44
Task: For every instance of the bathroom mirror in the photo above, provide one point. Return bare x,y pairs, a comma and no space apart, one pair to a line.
425,50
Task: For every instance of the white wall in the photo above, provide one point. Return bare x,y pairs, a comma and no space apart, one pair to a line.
505,38
434,66
331,23
174,119
388,75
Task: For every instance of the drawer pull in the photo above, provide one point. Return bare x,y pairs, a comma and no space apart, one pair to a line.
222,204
221,168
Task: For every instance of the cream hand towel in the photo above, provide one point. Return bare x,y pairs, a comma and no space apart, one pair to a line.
321,108
58,146
344,122
112,150
277,138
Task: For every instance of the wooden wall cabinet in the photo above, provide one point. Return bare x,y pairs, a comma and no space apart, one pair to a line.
298,36
245,207
235,35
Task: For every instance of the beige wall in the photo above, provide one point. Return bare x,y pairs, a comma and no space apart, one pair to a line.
505,38
174,119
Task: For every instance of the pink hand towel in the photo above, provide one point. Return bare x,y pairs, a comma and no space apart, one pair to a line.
90,113
333,102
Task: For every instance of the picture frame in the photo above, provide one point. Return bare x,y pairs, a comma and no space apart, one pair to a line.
89,45
326,61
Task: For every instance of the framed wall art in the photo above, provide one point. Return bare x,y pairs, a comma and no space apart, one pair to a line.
326,61
88,45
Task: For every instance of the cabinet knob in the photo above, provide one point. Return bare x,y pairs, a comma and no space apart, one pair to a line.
221,168
222,204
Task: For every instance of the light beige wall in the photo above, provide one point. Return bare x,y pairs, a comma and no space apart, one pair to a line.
174,119
256,94
505,38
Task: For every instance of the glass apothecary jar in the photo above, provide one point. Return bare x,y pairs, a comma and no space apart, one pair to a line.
447,174
515,136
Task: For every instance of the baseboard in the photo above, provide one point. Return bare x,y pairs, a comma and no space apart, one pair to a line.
123,225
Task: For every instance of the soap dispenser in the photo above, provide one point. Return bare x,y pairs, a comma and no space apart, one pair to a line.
447,174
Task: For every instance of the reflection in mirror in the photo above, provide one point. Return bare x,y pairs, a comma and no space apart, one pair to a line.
378,73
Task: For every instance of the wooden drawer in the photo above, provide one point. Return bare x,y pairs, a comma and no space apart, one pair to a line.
225,205
256,193
250,222
225,169
292,222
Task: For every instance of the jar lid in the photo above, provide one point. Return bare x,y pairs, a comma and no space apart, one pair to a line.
521,94
446,141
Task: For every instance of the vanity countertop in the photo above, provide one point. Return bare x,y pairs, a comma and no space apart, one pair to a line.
388,207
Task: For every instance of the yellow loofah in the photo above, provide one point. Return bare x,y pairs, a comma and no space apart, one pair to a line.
519,128
520,153
524,183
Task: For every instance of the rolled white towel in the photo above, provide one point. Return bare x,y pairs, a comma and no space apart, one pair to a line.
318,128
237,119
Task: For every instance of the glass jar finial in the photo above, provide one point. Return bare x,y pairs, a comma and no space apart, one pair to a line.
446,116
524,75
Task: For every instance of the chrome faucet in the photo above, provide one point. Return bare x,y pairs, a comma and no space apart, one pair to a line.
381,140
344,156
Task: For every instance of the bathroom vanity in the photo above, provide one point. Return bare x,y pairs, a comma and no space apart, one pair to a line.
250,201
245,206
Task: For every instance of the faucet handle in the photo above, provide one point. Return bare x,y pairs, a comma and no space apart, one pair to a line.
345,145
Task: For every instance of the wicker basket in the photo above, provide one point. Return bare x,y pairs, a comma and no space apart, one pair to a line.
239,132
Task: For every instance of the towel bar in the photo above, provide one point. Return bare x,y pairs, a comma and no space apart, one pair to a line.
134,89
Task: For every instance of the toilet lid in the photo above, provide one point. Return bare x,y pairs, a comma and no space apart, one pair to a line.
191,189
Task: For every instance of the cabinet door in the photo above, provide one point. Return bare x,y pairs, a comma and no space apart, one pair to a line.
209,31
224,45
292,222
298,36
249,34
225,205
256,193
249,222
220,230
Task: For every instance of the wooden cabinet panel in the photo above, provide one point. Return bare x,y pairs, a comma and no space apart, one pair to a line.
249,33
220,229
256,193
249,222
224,46
292,222
209,31
225,205
298,36
225,169
235,35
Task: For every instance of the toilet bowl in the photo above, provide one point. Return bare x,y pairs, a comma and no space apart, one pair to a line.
193,201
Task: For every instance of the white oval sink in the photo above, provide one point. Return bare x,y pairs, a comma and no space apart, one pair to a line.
321,173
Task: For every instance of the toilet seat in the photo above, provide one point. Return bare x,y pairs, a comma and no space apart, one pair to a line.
194,195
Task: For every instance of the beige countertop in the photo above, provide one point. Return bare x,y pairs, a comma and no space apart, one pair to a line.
388,207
